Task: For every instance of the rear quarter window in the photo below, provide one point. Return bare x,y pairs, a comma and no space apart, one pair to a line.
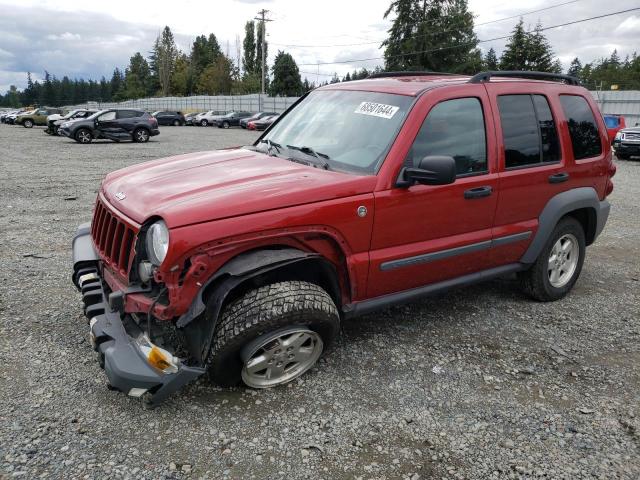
583,129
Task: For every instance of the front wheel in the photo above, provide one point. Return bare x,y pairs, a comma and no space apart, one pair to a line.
28,124
176,123
558,266
225,125
622,156
141,135
272,335
204,123
83,136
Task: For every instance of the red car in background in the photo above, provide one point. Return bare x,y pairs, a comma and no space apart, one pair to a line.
614,123
263,123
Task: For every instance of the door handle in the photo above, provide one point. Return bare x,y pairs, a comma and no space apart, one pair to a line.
559,177
477,192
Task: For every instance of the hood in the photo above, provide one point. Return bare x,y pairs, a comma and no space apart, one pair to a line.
206,186
630,130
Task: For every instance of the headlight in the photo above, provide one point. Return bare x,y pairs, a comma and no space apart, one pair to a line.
65,124
157,242
619,136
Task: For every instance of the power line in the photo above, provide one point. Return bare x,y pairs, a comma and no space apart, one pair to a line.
470,43
428,34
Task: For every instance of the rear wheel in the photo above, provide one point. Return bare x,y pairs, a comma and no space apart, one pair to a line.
176,123
141,135
272,335
28,123
558,266
225,125
83,135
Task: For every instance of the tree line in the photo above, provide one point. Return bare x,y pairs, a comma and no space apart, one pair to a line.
432,35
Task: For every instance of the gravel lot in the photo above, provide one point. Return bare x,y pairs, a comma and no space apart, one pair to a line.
478,383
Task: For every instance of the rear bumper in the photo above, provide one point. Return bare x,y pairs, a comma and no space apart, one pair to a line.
155,132
114,335
603,215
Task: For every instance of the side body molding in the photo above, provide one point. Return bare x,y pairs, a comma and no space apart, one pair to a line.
560,205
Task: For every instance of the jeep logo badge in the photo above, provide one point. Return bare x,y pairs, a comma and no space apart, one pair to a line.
120,195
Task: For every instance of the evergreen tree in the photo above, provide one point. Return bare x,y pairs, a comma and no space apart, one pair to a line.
423,33
515,55
216,78
259,37
137,77
48,96
164,58
181,81
540,54
491,60
347,78
575,68
29,95
286,76
117,83
249,49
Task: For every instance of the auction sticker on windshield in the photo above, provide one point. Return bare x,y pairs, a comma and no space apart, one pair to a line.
377,109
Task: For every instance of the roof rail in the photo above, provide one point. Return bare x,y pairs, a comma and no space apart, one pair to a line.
407,74
486,76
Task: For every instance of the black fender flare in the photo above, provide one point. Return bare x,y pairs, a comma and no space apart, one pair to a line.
556,208
199,333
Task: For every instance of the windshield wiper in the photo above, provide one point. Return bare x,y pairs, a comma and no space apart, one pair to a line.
311,152
271,145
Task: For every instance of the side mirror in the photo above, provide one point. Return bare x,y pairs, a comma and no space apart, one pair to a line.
433,170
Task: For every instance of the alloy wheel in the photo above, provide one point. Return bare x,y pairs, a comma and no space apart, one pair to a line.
563,260
279,357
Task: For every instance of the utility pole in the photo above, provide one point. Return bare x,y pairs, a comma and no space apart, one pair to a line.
262,19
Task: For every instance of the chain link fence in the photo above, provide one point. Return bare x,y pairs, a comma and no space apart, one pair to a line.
200,103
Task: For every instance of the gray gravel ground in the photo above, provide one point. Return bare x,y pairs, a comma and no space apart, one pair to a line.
478,383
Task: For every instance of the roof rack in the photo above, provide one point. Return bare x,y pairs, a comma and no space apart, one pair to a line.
486,76
407,74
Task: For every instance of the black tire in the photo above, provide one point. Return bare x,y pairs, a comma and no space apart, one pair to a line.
225,125
141,135
622,156
176,123
264,310
83,135
27,123
204,123
56,131
536,282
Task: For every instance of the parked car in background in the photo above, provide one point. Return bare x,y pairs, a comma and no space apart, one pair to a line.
242,263
231,119
9,113
169,118
255,116
190,117
263,123
54,121
208,118
10,118
36,117
114,125
627,143
614,124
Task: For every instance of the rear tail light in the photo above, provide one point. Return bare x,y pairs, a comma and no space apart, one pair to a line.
154,122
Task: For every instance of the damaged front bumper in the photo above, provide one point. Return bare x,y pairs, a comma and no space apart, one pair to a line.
114,335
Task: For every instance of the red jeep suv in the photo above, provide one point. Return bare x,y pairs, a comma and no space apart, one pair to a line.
242,263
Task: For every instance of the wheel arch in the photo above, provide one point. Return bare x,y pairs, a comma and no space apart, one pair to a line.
581,203
246,271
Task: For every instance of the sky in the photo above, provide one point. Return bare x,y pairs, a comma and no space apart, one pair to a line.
89,39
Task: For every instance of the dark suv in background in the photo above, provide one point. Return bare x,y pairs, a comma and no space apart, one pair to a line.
231,119
114,125
169,118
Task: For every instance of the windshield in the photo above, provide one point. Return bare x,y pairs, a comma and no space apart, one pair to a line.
352,130
96,114
70,114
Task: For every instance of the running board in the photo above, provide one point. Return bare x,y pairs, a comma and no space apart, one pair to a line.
377,303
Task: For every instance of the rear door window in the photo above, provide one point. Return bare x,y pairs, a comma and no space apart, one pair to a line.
529,130
128,114
583,128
